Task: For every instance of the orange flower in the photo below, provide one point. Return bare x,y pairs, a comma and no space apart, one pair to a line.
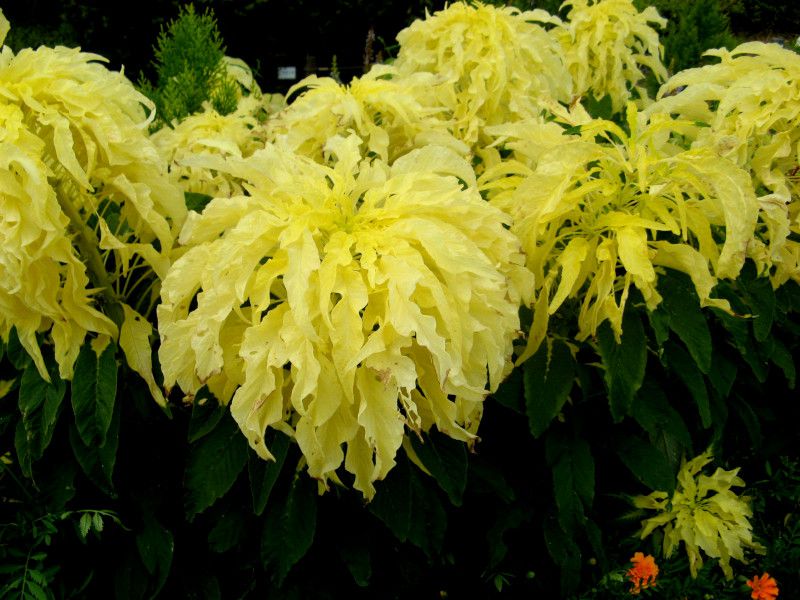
764,588
643,573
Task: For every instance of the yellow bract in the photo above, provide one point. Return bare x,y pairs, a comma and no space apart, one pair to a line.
596,217
341,303
79,180
703,513
747,108
491,65
388,113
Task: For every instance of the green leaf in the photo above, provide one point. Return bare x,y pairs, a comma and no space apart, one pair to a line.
505,521
289,528
646,463
446,459
207,412
214,464
196,202
510,392
354,550
565,553
573,479
548,376
687,371
98,462
156,546
97,522
227,532
722,374
664,425
39,402
782,358
686,319
85,524
94,388
758,293
428,516
392,501
16,353
624,362
262,473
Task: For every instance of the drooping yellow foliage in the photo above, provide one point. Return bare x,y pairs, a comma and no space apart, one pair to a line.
344,302
747,108
705,514
78,180
384,110
608,45
492,65
596,217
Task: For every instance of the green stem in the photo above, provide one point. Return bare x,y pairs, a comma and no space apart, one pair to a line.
86,240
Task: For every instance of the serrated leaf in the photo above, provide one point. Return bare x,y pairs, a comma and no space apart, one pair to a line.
565,553
39,402
624,362
686,319
263,474
93,391
687,371
134,339
289,528
758,293
782,358
505,521
548,375
722,374
646,463
446,459
354,550
85,524
573,479
428,521
97,522
214,464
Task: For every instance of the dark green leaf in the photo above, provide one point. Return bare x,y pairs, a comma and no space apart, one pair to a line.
446,459
289,528
682,365
663,423
548,376
392,501
624,362
15,351
428,516
780,356
39,402
686,319
196,202
485,478
722,374
354,550
156,546
227,532
263,474
506,521
94,388
573,479
758,293
510,392
206,414
214,463
98,462
565,553
646,463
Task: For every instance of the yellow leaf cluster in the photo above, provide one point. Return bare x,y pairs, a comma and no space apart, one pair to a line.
326,303
705,514
491,65
602,209
74,151
608,47
747,108
387,112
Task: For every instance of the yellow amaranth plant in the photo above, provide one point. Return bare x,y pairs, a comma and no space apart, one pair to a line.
492,64
607,44
705,514
596,217
79,182
387,112
198,139
747,108
341,303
